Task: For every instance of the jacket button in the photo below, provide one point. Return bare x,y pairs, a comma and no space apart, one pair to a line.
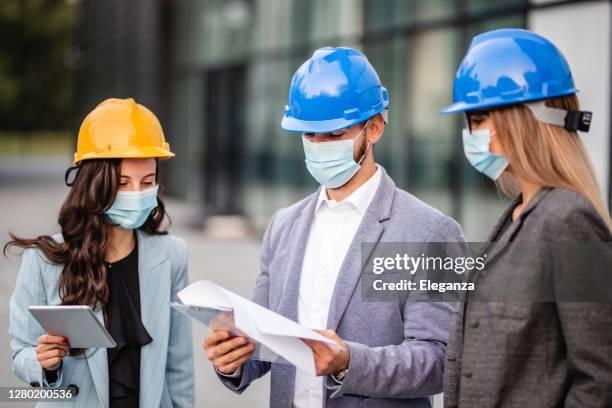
474,324
74,388
467,374
35,384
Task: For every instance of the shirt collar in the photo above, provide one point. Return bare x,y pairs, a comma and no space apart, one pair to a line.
359,199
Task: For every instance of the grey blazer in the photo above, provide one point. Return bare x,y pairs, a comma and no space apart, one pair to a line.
396,351
533,354
166,364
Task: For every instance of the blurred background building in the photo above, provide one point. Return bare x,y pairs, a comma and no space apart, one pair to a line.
217,72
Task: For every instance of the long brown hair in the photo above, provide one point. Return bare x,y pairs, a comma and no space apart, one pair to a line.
84,230
544,154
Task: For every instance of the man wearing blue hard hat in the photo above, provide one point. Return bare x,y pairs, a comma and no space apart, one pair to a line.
390,354
538,341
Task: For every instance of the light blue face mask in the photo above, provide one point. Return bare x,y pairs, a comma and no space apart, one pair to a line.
476,147
132,208
332,163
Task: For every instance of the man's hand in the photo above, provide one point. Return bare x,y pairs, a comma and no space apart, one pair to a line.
227,354
329,360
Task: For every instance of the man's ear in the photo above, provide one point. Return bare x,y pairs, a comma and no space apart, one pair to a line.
376,127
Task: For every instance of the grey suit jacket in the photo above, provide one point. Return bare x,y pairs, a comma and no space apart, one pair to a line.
166,364
533,354
396,351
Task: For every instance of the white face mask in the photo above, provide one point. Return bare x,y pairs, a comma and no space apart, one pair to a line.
332,163
131,209
476,146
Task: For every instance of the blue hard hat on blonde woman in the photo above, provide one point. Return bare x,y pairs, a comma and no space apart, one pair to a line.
114,255
522,115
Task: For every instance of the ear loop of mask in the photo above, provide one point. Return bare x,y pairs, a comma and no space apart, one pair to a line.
69,173
368,146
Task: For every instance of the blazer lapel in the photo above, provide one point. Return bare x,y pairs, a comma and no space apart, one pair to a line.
288,305
494,248
98,368
493,244
155,285
369,231
154,282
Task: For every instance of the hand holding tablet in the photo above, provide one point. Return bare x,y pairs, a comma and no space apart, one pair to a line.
51,350
77,323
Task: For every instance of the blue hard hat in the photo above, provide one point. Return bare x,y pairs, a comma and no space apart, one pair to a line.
334,89
509,66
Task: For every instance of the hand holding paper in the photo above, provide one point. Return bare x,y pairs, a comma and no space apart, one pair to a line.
227,353
277,336
329,360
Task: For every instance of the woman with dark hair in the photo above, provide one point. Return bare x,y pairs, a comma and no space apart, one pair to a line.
113,255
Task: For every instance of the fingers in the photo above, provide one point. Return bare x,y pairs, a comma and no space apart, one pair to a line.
214,352
216,337
329,359
50,350
51,359
51,364
51,354
232,367
316,346
45,347
51,339
227,354
232,357
330,334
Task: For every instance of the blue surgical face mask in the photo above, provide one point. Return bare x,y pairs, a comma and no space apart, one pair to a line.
332,163
132,208
476,147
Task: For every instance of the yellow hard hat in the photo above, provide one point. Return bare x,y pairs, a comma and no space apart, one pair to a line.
121,128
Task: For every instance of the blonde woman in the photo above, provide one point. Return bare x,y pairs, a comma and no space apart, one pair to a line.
518,95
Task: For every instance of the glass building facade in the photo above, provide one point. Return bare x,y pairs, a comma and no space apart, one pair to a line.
223,69
237,61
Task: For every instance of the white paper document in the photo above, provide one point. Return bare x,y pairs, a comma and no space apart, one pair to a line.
275,335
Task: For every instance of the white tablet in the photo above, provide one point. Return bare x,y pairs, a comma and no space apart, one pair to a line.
78,323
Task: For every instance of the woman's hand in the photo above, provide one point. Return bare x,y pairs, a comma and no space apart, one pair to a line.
227,353
51,350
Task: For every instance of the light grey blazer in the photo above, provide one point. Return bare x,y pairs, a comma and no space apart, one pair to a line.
396,351
166,364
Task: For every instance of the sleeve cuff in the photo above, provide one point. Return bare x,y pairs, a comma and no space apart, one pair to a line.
235,374
52,379
352,381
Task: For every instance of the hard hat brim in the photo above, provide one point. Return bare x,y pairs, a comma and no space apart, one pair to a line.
139,153
321,126
491,103
292,124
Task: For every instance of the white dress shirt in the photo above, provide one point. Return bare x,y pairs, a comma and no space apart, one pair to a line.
333,229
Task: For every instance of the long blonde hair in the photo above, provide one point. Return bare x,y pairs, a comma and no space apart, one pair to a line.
546,155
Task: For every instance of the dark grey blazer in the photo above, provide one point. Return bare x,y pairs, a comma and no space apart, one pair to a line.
533,354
